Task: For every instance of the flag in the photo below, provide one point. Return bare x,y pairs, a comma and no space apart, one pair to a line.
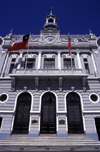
20,43
69,45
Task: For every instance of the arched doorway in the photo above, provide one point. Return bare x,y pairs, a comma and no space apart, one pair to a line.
75,123
22,115
97,122
48,113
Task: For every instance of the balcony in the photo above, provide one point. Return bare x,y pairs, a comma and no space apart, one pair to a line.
48,72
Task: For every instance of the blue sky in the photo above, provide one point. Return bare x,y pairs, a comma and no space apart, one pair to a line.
73,16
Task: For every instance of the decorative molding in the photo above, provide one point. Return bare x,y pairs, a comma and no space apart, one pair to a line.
30,55
96,51
49,55
85,55
67,55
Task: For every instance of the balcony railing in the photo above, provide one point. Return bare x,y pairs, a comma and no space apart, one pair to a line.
42,72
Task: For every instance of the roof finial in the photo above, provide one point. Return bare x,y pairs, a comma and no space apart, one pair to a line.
51,11
10,34
90,31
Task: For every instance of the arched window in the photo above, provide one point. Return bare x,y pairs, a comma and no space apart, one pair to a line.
50,20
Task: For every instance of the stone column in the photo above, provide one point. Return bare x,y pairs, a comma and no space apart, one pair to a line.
20,60
5,64
39,60
79,62
59,61
95,69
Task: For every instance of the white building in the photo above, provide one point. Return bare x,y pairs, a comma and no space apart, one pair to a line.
49,96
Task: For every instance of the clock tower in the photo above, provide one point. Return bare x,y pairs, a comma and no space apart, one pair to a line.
50,32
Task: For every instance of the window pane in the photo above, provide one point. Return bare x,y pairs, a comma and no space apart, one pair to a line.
85,60
11,68
87,68
49,64
67,64
30,63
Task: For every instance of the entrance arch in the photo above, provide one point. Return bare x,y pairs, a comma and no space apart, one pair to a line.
97,123
75,122
22,115
48,113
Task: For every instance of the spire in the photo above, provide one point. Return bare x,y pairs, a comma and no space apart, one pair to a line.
51,11
90,31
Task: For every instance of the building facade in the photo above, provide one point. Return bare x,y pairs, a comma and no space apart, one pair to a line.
43,90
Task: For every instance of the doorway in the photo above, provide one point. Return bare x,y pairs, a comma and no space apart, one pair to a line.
48,114
75,123
22,114
97,122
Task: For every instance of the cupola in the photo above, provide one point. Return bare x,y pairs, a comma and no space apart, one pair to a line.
50,22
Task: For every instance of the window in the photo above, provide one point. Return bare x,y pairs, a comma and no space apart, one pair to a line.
49,63
3,97
67,64
94,97
50,20
31,63
86,66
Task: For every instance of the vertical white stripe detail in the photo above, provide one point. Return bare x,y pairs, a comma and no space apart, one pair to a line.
29,123
95,69
12,123
39,124
57,122
84,124
59,61
79,62
20,60
39,60
4,67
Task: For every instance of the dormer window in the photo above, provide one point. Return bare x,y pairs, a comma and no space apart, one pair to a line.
50,20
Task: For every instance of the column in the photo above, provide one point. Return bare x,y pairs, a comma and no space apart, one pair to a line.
59,61
79,62
95,69
5,64
20,60
39,60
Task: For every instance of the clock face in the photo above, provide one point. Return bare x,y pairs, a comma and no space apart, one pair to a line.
98,41
1,41
49,39
76,41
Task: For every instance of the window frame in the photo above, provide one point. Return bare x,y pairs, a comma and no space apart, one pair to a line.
68,65
48,64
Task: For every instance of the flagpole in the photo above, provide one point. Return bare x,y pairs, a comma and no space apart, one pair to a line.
27,55
69,47
71,64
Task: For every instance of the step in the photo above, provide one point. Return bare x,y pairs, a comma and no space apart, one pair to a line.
49,140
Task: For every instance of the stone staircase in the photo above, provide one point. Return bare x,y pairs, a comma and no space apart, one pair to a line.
49,140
